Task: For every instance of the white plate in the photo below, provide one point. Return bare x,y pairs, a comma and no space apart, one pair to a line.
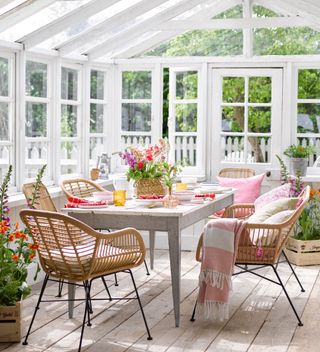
147,202
85,206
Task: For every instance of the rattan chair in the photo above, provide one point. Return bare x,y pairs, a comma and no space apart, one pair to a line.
262,245
83,188
236,172
43,199
71,250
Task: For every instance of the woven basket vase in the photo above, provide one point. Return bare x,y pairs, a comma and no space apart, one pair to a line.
150,186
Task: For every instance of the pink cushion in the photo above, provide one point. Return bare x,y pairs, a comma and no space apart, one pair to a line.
282,191
248,189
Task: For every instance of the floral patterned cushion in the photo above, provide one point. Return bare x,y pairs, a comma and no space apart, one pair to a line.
282,191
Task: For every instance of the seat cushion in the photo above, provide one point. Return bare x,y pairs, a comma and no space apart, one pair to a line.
248,189
273,208
282,191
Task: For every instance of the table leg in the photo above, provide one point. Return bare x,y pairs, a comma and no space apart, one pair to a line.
175,266
71,295
151,247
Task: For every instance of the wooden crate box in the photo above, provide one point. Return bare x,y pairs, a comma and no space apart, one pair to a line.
303,252
10,323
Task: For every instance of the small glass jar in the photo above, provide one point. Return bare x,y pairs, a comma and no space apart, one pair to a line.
170,200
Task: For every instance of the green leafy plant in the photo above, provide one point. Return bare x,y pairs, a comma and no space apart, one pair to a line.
34,199
284,174
16,253
299,151
170,172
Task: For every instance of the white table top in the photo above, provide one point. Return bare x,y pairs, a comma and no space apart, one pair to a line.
134,208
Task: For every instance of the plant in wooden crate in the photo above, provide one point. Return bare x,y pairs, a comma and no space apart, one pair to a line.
16,254
146,167
303,246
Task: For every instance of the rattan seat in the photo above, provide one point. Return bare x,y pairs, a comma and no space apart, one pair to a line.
71,250
80,187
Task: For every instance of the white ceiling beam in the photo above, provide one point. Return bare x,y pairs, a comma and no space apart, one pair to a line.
21,12
234,23
140,28
247,32
62,23
115,22
152,42
4,2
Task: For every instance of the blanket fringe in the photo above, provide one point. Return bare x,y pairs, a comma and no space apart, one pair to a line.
212,310
214,279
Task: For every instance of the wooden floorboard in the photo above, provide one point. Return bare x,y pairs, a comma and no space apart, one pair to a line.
260,316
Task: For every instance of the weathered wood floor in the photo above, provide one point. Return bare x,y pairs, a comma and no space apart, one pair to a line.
261,319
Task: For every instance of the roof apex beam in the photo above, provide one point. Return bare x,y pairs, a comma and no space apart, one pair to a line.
148,44
116,21
234,23
21,12
142,27
71,18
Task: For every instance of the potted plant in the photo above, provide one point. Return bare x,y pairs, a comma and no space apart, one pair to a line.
299,155
146,167
16,254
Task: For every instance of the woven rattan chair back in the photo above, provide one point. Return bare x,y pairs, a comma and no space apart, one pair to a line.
43,200
80,187
69,249
263,243
237,173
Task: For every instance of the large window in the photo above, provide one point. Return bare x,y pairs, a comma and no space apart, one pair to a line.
136,107
37,117
6,113
70,121
98,126
308,108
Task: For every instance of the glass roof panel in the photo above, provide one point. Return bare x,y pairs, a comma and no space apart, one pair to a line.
234,12
12,5
260,11
41,18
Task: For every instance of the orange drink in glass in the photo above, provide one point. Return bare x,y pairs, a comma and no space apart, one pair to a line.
119,197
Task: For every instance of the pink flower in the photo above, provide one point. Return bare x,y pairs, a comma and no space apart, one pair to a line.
140,164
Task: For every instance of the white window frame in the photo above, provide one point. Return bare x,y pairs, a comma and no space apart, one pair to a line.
199,168
156,108
296,101
50,124
80,138
215,113
10,99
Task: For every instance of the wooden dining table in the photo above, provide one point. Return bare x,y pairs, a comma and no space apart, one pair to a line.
171,221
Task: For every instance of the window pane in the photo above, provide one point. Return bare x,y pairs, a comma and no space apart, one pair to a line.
96,118
187,85
259,119
308,118
232,148
232,119
4,122
97,85
309,84
259,150
136,117
36,79
136,85
4,77
186,150
233,89
186,117
69,84
36,156
69,121
96,149
259,89
36,119
70,157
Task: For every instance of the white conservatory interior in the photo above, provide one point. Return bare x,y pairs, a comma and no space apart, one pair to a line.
227,93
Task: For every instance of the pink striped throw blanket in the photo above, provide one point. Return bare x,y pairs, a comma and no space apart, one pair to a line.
219,249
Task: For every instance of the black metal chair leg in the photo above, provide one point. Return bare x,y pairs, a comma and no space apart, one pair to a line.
140,305
286,293
147,269
60,287
86,312
293,271
106,287
90,302
115,280
194,312
45,281
87,288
